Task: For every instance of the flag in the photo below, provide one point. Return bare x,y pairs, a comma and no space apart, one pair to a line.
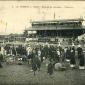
3,23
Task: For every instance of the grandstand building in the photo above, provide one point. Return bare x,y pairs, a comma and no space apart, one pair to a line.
51,30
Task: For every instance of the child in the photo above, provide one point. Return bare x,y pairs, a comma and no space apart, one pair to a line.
50,68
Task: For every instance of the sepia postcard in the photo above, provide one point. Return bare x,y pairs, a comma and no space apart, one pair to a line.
42,42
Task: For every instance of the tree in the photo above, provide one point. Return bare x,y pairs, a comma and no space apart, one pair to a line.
25,34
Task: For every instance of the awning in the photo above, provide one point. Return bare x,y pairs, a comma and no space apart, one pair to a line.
55,28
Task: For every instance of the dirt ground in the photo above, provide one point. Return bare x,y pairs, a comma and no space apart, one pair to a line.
22,75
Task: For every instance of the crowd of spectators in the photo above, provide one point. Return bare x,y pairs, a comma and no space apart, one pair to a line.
57,55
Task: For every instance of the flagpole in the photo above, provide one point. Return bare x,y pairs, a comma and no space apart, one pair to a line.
54,16
5,27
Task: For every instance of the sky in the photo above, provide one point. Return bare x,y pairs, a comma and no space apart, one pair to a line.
15,16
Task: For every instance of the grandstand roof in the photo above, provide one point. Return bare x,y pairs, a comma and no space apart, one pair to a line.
58,21
57,24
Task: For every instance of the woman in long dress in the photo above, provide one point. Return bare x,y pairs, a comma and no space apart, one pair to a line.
81,61
72,58
80,57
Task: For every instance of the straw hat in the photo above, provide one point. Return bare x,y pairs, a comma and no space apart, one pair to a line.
79,45
73,44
